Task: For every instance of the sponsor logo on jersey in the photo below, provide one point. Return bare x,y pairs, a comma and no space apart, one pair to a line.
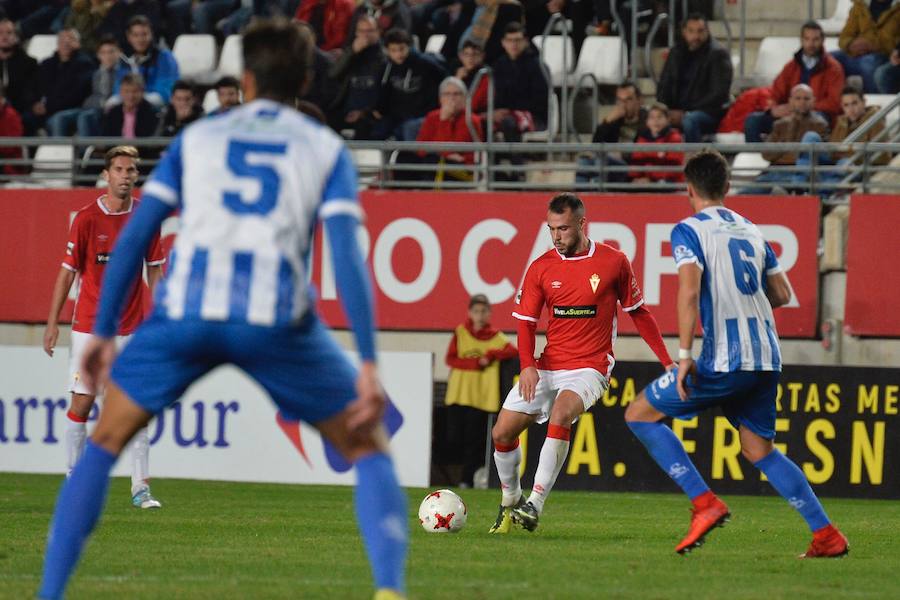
102,258
519,297
69,247
102,237
594,281
575,312
682,252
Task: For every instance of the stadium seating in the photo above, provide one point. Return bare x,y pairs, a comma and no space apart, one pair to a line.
883,100
195,54
552,53
41,47
210,101
53,165
231,61
836,21
773,53
368,164
552,124
747,165
604,57
435,43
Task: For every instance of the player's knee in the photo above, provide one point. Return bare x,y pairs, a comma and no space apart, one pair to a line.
756,452
502,435
636,411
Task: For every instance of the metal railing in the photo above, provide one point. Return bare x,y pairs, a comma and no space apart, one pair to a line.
554,19
577,166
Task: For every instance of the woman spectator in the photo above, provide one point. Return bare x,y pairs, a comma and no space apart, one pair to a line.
448,124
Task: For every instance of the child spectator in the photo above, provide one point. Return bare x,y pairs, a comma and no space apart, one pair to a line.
473,389
657,131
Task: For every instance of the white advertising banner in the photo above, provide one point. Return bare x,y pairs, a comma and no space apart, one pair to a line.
223,428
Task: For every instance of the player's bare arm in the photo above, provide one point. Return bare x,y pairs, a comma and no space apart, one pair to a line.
60,292
778,289
689,277
154,275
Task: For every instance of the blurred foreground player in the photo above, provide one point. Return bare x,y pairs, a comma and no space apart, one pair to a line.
91,238
250,186
727,268
582,283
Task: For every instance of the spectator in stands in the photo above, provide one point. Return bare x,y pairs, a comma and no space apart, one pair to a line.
887,76
134,116
520,89
471,60
181,110
855,113
409,88
228,93
450,18
448,124
696,80
658,131
120,15
539,12
791,128
35,17
10,126
619,126
867,39
358,71
489,25
86,119
206,14
473,388
64,80
86,16
19,71
322,90
157,67
329,20
810,65
388,14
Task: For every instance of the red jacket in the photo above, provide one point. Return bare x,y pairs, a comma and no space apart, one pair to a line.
336,20
826,81
454,130
655,157
10,126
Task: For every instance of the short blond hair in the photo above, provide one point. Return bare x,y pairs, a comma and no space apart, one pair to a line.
117,151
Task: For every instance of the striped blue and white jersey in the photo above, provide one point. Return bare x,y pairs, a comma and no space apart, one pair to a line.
738,325
251,185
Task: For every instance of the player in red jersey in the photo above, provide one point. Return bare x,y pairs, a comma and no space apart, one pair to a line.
91,238
582,283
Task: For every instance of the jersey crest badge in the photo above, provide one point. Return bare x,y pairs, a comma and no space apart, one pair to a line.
594,281
556,285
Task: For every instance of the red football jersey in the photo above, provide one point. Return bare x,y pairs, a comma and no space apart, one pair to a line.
581,293
91,239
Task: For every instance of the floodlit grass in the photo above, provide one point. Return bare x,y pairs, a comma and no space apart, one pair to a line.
228,540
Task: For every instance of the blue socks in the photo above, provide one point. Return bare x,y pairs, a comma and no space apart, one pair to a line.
382,518
789,481
668,452
77,509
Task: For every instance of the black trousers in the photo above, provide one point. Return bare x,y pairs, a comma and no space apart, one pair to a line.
467,433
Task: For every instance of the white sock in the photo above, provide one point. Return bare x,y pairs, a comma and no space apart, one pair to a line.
553,455
140,454
76,433
508,470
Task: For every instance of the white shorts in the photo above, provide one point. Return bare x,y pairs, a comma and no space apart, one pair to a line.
79,341
589,384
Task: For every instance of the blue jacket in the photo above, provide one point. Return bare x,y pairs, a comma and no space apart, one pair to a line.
157,67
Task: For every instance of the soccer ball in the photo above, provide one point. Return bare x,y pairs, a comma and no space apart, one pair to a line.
442,511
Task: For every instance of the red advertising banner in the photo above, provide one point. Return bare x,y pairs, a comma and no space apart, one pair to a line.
873,275
429,251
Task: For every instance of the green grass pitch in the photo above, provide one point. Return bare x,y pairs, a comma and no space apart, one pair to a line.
228,540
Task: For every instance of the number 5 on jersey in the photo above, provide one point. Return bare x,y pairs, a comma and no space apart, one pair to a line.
266,175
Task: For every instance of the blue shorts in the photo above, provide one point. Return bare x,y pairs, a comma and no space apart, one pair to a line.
746,397
301,367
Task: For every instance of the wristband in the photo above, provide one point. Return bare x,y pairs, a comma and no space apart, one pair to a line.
683,354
